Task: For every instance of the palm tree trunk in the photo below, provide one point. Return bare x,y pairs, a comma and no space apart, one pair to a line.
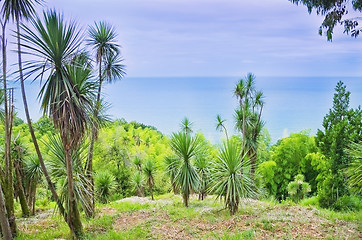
186,199
151,191
253,159
31,130
73,212
9,190
31,195
4,223
89,165
19,181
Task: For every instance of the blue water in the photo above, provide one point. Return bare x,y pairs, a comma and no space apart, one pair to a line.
292,104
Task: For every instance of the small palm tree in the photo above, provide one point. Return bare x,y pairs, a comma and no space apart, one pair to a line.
230,180
186,148
58,170
220,125
172,165
202,166
138,183
105,184
33,174
150,171
19,152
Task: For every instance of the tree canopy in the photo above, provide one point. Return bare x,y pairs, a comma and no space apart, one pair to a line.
336,12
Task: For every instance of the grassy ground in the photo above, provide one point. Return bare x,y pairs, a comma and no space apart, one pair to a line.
167,218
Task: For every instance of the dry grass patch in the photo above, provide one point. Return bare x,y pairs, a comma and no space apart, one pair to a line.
129,220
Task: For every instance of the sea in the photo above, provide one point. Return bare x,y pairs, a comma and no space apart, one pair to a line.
292,104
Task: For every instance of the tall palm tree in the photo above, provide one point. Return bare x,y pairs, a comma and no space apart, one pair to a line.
7,185
102,38
248,116
230,181
186,148
56,42
16,11
4,222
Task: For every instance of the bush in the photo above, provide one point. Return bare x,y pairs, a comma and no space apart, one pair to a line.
298,188
348,203
313,201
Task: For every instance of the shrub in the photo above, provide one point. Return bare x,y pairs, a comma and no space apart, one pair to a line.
348,203
298,188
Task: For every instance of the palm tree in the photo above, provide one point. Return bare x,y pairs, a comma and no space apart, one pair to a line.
248,116
186,148
138,182
202,166
105,184
230,181
150,171
102,39
172,165
186,126
19,151
58,170
220,125
33,173
16,10
8,116
4,222
56,42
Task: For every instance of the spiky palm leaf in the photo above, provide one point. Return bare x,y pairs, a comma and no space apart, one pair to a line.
32,168
354,170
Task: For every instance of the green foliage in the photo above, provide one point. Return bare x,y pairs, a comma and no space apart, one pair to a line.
298,189
105,185
334,12
230,179
342,126
348,203
312,201
291,157
266,170
116,149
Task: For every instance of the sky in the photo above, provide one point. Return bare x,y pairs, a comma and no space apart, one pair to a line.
164,41
219,37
